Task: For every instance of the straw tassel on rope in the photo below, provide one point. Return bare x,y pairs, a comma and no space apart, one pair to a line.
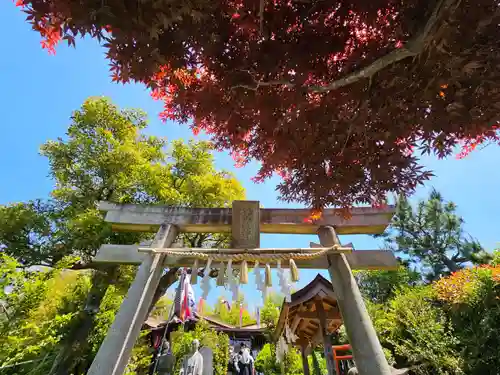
244,272
194,273
294,271
269,280
222,275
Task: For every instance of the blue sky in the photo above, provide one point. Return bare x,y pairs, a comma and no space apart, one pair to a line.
38,92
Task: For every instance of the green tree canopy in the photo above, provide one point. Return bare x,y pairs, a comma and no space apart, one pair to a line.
431,235
106,156
271,310
232,315
380,285
39,309
471,299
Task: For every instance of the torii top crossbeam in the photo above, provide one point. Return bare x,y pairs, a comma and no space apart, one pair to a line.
132,217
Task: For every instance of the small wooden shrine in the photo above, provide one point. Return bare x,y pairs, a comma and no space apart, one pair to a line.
304,313
311,317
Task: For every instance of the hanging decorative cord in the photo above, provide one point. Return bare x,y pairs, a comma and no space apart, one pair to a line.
250,255
205,281
259,281
233,285
256,256
284,282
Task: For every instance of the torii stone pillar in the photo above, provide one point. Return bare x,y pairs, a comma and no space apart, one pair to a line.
366,348
114,353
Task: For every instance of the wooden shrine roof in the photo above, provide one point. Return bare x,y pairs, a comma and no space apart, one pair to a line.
301,313
147,218
247,331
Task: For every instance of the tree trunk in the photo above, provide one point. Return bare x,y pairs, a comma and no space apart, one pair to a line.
166,282
450,264
77,340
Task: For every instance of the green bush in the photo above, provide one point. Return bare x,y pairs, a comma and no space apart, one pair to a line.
317,363
472,301
379,286
416,333
267,364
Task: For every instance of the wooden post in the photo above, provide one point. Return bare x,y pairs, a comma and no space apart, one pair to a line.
114,353
327,345
366,348
305,362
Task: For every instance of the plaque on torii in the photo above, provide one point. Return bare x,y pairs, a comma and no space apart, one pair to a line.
245,221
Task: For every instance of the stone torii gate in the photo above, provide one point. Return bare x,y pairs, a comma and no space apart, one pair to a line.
245,221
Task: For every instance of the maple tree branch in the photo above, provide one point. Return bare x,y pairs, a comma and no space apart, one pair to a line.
259,84
367,72
412,48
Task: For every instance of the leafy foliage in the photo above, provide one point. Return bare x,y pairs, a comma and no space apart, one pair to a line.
26,233
332,95
270,312
266,361
417,333
232,316
40,308
420,326
472,300
105,156
379,286
317,363
162,308
449,327
495,261
431,236
43,310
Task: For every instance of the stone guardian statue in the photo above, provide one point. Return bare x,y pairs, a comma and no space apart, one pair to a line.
193,363
165,360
